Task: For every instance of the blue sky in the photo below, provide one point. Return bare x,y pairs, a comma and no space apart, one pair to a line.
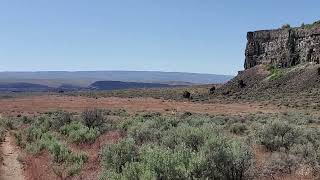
205,36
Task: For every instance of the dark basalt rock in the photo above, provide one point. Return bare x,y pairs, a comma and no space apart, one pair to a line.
186,94
241,84
212,90
283,47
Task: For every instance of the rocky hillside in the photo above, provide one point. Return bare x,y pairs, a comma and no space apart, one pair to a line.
281,66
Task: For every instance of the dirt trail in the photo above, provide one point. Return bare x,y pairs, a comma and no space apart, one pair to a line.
11,169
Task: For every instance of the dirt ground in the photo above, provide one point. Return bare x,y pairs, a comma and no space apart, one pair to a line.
38,104
11,167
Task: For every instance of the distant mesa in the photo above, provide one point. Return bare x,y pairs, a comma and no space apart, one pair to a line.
22,87
102,80
117,85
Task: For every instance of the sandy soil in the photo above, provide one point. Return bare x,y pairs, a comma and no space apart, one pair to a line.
39,167
37,104
11,169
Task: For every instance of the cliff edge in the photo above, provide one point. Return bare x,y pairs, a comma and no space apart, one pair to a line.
285,47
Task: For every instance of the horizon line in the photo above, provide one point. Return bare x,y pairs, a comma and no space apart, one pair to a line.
74,71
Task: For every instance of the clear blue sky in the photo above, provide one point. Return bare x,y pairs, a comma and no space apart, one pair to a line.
206,36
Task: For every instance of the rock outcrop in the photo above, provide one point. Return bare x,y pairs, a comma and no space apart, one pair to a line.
283,47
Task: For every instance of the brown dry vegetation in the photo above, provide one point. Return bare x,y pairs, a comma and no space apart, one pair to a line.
40,104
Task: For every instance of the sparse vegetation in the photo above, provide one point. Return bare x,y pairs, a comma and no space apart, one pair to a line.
39,137
160,147
310,25
46,133
180,146
275,73
196,146
286,26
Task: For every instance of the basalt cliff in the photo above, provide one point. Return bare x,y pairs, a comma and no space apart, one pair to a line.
281,66
283,47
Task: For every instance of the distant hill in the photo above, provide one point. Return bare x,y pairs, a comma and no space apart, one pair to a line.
85,78
22,87
116,85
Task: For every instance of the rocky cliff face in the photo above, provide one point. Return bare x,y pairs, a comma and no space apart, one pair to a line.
283,47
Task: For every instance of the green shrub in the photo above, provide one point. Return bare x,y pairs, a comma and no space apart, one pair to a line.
277,134
217,159
33,133
60,118
143,134
115,156
157,162
77,161
26,119
225,160
60,152
19,140
79,133
44,123
276,74
144,129
9,124
192,137
2,133
94,118
238,128
165,163
40,135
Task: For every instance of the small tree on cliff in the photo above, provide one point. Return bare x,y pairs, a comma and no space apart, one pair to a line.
286,26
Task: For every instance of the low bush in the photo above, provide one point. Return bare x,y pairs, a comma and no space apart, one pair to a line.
9,124
26,120
2,130
19,140
238,128
94,118
276,74
217,159
278,134
2,134
192,137
79,133
225,159
212,90
115,156
60,118
186,95
160,147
